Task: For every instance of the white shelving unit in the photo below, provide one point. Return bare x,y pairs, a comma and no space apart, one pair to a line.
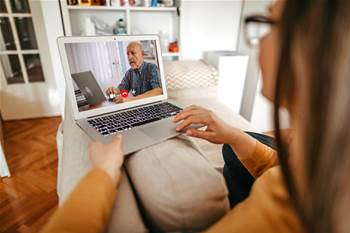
139,20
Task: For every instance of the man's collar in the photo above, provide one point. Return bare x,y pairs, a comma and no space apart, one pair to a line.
139,70
141,66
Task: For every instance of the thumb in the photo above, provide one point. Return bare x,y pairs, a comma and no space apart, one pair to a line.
117,139
199,133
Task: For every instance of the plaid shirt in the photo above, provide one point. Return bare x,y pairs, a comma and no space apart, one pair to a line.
139,81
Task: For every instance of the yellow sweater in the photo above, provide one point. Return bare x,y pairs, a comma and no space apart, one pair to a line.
267,209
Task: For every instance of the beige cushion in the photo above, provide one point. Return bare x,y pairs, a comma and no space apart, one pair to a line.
178,187
189,74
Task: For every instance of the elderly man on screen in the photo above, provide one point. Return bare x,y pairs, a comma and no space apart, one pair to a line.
141,80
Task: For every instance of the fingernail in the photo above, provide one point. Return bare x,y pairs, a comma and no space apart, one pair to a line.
188,132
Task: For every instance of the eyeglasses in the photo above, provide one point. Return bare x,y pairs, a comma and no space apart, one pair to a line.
257,27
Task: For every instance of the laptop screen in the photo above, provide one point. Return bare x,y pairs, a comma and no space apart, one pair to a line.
114,72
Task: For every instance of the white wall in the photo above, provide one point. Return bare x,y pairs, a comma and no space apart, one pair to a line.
208,25
262,112
218,25
262,115
250,90
255,107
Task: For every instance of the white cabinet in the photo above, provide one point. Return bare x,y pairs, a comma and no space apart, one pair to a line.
232,68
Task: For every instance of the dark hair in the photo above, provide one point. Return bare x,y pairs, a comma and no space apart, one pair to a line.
321,31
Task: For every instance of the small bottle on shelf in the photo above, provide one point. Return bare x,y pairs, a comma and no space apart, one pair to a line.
173,47
85,2
72,2
146,3
120,28
164,40
115,3
132,2
154,3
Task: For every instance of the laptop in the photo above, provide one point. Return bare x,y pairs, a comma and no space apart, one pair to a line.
97,63
89,87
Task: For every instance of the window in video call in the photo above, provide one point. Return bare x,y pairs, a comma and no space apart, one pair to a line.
113,72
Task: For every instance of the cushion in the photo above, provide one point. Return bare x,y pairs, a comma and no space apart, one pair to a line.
189,73
179,190
194,93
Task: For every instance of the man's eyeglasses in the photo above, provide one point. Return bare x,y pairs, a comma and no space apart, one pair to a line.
257,27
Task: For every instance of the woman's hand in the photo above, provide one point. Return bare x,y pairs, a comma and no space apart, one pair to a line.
217,130
108,157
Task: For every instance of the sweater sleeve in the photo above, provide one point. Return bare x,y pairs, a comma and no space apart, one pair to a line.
88,207
267,209
261,160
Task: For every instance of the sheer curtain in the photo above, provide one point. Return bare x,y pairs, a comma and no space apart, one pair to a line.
101,58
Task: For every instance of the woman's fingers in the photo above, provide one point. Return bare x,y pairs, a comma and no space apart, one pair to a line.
183,115
195,119
191,110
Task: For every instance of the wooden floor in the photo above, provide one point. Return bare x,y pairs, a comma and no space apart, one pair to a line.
28,197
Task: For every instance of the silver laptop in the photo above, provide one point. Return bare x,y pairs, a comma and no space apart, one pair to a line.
142,119
89,87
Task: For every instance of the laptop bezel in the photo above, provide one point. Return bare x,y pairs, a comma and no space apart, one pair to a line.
100,111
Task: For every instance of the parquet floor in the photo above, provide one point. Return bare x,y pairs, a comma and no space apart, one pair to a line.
28,198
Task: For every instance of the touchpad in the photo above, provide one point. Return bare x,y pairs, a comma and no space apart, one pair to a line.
163,129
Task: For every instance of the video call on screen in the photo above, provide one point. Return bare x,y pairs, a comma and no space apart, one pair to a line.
114,72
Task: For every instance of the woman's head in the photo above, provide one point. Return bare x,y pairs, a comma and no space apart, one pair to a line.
304,62
269,51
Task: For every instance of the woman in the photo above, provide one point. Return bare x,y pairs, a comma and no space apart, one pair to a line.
303,58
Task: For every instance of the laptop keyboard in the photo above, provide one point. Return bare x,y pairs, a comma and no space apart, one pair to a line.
121,121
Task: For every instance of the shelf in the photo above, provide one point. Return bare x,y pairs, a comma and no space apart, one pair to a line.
136,17
114,8
97,8
152,8
170,54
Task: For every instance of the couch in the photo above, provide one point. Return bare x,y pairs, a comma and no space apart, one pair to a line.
179,181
